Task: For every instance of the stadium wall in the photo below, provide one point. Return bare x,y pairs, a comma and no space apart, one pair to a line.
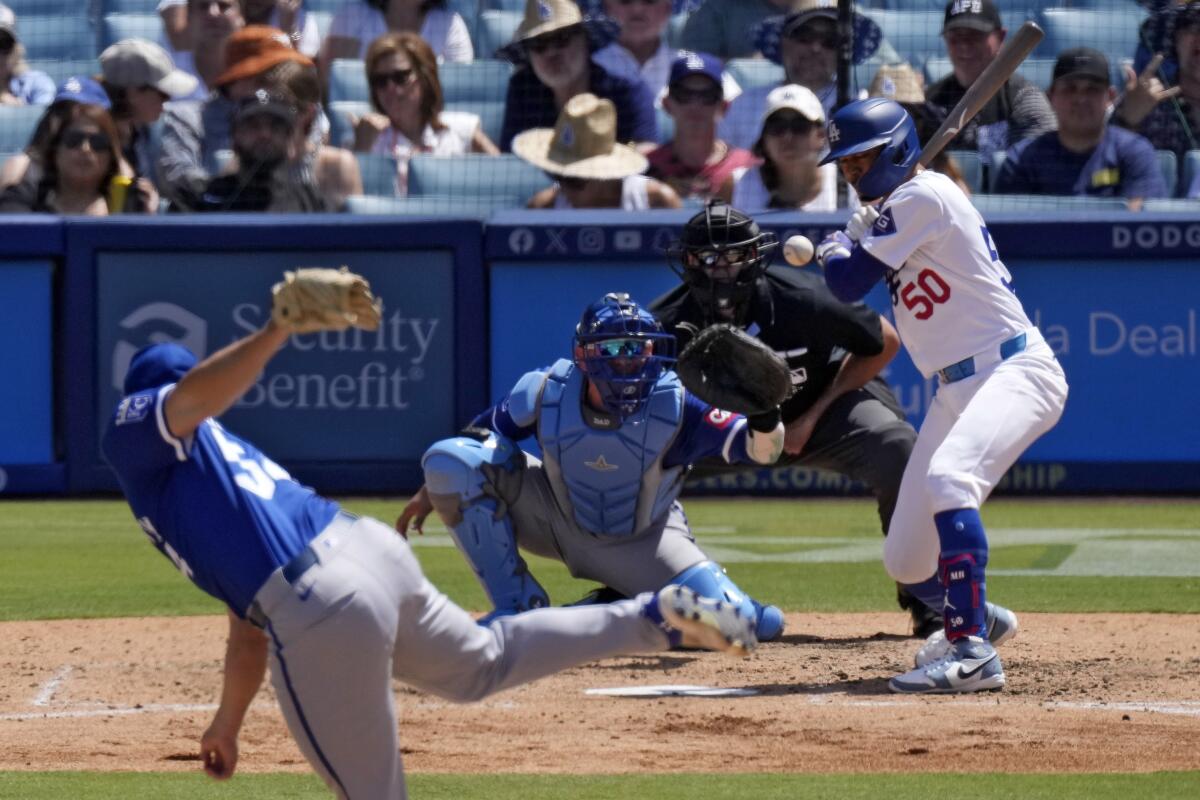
471,306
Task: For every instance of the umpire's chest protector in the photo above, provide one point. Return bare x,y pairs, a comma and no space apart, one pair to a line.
611,481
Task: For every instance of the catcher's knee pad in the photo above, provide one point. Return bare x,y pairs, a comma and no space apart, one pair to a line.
710,580
483,531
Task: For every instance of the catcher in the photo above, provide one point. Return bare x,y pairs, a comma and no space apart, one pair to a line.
618,433
841,415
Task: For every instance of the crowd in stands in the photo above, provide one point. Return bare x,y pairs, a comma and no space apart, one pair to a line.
307,105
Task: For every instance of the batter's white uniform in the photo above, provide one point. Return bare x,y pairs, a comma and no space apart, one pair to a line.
953,301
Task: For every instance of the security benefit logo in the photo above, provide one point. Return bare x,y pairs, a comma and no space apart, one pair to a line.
351,370
156,323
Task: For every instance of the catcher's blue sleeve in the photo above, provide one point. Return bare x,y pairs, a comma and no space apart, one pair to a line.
516,415
707,432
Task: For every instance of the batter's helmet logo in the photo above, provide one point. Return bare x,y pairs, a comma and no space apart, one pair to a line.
154,323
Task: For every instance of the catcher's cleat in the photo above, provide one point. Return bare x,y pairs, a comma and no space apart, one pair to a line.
702,621
1001,626
971,665
925,620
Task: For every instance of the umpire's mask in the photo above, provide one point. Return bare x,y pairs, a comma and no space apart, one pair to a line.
720,256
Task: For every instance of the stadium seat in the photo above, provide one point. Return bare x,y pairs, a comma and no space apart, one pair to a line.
115,27
1191,170
751,72
1043,203
328,6
453,206
323,20
124,6
971,164
1174,205
1170,170
480,87
1113,31
16,126
675,30
474,176
916,35
495,30
504,5
348,81
1012,12
378,174
341,132
60,70
993,169
68,36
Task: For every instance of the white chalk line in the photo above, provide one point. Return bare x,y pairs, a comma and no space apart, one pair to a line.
46,692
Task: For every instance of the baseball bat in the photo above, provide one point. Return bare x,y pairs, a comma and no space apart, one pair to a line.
1011,54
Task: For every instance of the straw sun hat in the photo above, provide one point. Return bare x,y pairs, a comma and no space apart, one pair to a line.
582,143
547,16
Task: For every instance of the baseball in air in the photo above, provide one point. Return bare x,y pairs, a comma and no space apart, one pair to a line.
798,250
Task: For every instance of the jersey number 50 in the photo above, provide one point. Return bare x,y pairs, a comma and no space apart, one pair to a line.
919,296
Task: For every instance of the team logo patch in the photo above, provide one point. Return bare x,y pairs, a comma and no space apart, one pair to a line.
834,134
600,465
134,409
885,225
718,418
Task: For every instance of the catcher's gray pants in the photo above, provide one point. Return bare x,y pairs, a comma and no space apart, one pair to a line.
859,436
365,613
644,562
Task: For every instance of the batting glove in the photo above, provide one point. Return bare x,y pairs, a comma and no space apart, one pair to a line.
834,246
861,222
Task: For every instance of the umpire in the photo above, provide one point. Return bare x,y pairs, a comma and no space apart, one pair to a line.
841,416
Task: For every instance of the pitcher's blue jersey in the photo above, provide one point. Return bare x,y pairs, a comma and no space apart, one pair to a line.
225,514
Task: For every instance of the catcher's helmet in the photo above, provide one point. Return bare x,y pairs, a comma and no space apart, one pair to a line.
624,350
157,364
866,124
720,256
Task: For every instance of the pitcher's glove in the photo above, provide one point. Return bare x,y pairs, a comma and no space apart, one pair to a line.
322,299
728,368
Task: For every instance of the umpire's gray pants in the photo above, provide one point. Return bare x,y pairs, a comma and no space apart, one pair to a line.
365,613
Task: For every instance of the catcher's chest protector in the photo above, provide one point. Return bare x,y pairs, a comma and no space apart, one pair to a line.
612,481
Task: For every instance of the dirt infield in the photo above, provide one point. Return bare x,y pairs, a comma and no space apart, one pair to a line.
1087,692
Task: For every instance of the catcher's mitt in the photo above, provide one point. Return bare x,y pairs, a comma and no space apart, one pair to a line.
728,368
321,299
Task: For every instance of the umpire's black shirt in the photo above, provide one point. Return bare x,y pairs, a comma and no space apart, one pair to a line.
795,314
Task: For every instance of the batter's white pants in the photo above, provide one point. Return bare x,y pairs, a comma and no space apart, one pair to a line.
974,431
366,613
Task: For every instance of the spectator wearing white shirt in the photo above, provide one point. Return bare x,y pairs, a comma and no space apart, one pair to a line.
406,96
790,143
358,23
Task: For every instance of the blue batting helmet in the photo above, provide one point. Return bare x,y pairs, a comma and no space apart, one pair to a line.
866,124
624,351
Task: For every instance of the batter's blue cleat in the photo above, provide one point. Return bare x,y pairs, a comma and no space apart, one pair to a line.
972,665
770,622
1001,626
692,620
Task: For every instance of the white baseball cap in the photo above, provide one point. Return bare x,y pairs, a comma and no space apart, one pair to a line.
138,62
798,98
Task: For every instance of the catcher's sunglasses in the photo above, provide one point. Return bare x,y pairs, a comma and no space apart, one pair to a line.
620,348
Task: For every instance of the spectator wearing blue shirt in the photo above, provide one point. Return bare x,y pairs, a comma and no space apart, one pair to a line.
1086,156
19,85
553,48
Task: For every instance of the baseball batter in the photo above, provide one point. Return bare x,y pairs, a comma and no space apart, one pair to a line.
339,602
618,433
999,384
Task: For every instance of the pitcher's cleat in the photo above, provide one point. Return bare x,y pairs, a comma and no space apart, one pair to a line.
972,665
1001,626
702,621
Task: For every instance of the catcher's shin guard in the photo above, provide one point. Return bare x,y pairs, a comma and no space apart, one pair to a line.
463,496
710,580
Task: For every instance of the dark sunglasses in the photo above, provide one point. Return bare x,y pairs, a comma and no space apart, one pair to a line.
99,142
709,97
778,126
551,41
400,77
620,348
825,36
7,43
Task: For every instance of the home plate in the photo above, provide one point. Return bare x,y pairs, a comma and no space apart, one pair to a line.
677,690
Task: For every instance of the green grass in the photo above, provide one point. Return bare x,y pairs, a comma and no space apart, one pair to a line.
757,786
87,558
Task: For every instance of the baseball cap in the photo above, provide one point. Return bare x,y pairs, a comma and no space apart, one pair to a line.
1081,62
255,49
132,63
798,98
82,89
979,15
687,63
156,365
265,102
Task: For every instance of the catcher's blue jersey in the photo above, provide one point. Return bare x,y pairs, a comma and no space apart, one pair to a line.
225,514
